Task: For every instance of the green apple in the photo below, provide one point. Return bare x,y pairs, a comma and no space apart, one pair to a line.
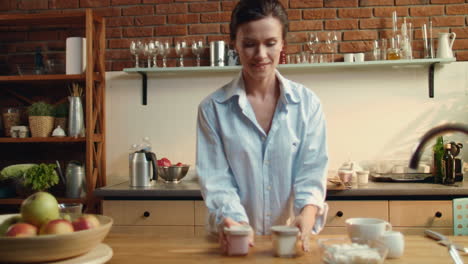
9,222
40,208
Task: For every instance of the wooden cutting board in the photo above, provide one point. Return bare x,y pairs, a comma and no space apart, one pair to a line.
100,254
335,184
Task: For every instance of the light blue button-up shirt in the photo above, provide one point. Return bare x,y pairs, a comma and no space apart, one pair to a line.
263,179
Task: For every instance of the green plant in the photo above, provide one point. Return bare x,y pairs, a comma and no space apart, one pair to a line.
41,177
41,109
14,171
61,110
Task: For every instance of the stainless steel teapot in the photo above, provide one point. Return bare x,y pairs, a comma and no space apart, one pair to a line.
141,163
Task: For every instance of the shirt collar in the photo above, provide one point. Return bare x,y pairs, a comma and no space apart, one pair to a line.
237,88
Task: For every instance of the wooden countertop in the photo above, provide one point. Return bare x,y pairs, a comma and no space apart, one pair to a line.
130,249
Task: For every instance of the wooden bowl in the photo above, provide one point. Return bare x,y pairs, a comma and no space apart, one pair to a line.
47,248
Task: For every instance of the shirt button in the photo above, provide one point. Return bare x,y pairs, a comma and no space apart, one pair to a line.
263,138
269,187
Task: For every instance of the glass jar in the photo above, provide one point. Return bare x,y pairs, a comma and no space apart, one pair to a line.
11,117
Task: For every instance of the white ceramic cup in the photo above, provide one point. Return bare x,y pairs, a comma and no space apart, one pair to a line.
359,57
365,230
395,243
362,177
349,57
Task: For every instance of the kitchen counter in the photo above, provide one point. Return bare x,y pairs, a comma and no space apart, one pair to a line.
190,189
172,250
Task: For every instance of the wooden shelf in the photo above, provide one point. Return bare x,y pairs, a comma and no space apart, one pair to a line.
20,200
44,77
42,140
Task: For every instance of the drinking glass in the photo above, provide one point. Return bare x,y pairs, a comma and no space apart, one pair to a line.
376,50
148,53
197,50
312,44
330,44
164,50
136,49
155,47
181,50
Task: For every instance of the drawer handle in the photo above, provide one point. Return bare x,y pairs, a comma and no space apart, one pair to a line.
146,214
339,213
438,214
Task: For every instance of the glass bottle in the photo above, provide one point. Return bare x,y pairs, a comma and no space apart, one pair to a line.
438,150
448,165
393,53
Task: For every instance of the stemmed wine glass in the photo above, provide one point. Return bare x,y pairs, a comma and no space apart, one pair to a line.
136,48
181,50
164,50
197,50
312,44
332,38
154,46
147,53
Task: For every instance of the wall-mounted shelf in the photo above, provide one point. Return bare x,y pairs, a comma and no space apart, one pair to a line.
144,72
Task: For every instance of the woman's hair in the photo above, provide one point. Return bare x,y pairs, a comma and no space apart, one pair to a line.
251,10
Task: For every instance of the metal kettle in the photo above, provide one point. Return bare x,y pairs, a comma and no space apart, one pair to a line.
141,163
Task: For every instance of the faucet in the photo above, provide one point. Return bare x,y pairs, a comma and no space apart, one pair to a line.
414,161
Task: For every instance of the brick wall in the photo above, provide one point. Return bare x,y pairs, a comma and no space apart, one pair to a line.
357,22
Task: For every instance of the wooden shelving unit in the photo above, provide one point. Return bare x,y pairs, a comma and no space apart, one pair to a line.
91,147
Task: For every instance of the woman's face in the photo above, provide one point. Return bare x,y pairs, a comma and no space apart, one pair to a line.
259,44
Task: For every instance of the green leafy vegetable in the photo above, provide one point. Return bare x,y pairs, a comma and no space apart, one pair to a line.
14,171
41,177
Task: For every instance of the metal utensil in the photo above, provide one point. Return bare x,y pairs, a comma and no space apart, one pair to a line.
454,254
443,240
60,173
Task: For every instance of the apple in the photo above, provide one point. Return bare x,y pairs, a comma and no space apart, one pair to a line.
55,227
39,208
8,222
86,221
179,164
21,230
165,162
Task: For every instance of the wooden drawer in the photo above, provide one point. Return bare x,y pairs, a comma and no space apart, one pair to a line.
154,231
201,213
421,213
339,211
140,213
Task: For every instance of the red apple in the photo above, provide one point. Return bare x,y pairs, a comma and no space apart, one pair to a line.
86,221
55,227
21,230
165,162
179,164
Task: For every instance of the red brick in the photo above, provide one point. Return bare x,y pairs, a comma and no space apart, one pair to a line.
187,0
33,4
457,9
294,14
108,11
375,23
411,2
204,28
305,3
113,33
138,32
435,33
120,65
183,19
341,24
43,35
204,7
355,46
60,4
150,20
157,1
215,17
322,13
94,3
125,2
225,28
297,37
448,21
285,3
228,5
434,10
460,44
14,36
360,35
305,25
172,30
217,38
461,32
447,1
119,21
461,55
140,10
171,9
293,49
341,3
119,54
7,5
387,11
376,2
22,47
119,43
355,12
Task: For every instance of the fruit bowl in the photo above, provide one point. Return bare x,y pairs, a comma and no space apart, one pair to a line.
45,248
173,173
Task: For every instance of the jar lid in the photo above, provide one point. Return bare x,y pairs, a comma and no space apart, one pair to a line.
285,230
238,230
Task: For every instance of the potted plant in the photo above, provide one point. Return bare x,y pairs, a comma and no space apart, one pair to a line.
37,178
41,119
61,115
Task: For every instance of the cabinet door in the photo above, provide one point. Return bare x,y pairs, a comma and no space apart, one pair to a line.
421,213
201,213
141,213
339,211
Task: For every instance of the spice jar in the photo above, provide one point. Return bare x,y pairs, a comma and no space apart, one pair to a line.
238,239
11,117
284,240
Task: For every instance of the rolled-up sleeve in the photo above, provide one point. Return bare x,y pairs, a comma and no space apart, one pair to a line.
311,176
218,186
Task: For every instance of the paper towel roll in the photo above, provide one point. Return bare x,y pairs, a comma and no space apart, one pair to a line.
74,55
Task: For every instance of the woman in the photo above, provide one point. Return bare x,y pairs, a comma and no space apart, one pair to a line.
261,139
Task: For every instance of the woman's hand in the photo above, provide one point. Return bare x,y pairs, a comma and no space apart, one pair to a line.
223,242
305,222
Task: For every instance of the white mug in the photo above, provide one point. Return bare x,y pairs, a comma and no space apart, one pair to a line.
359,57
349,57
394,242
365,230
